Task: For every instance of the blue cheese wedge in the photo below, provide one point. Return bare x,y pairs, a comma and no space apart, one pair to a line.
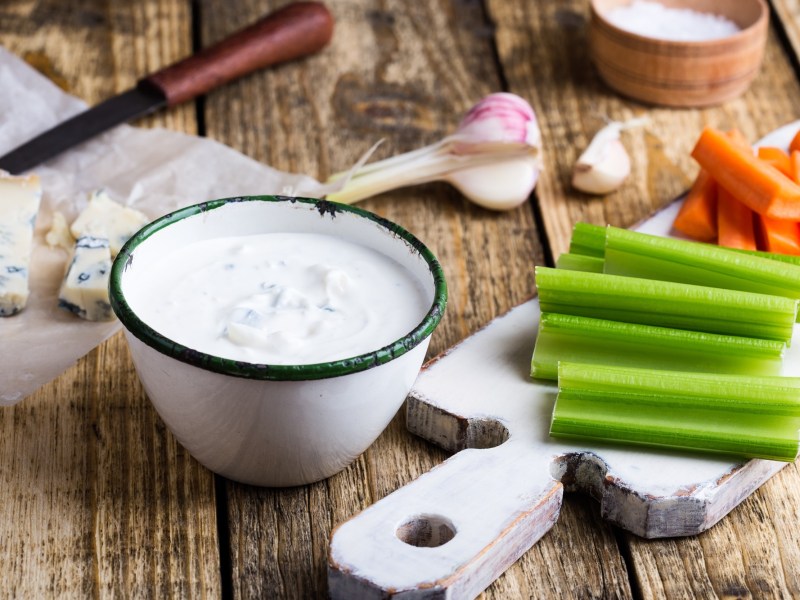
105,218
20,198
85,287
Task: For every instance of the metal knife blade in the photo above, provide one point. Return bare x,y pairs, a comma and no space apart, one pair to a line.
291,32
127,106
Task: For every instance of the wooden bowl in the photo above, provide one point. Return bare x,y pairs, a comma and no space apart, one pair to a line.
678,73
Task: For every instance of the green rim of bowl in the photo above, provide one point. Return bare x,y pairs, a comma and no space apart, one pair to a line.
235,368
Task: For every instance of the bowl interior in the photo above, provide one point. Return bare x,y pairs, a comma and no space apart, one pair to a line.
269,214
745,13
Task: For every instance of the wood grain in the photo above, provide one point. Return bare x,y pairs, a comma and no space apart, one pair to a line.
743,555
788,17
98,499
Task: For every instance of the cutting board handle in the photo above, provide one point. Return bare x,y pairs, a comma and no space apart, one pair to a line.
293,31
449,533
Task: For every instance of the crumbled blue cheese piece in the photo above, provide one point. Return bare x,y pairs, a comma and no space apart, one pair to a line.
85,287
19,204
105,218
59,235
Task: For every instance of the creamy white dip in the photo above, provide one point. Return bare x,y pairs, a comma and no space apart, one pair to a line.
281,298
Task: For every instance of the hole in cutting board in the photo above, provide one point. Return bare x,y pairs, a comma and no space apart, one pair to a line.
486,433
426,531
453,432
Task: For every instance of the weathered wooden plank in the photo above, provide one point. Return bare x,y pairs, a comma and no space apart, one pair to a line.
403,71
754,552
98,498
788,14
543,53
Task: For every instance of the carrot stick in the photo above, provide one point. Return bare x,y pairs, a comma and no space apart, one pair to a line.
697,216
779,235
777,158
794,161
734,222
756,184
795,143
738,138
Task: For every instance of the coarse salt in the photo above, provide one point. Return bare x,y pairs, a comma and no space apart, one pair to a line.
655,20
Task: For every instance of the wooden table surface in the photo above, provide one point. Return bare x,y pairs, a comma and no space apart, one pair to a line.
98,499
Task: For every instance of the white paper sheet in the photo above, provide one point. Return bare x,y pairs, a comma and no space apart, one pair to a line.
154,170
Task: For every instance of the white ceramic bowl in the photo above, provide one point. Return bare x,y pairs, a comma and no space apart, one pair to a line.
274,425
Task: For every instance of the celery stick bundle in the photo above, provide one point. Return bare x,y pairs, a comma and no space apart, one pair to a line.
676,260
670,343
666,304
757,417
641,255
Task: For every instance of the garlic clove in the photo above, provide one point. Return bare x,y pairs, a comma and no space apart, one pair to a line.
499,186
605,163
603,171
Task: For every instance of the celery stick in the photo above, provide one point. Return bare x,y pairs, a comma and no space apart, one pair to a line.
785,258
580,262
665,304
757,417
641,255
587,239
598,341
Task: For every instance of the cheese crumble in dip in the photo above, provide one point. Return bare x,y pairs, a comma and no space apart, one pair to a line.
282,298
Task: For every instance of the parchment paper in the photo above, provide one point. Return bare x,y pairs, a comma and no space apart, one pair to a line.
154,170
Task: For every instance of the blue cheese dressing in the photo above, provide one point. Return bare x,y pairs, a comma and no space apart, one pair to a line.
282,298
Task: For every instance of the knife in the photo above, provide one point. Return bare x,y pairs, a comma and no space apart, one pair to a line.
294,31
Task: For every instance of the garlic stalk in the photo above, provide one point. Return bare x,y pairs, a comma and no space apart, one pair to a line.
493,158
605,163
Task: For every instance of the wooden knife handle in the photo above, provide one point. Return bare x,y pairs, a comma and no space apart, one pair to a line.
291,32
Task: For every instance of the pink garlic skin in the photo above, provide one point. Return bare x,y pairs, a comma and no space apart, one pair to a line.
499,118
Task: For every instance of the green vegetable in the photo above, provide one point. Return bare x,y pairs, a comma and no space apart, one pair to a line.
596,341
665,304
641,255
590,240
784,258
587,239
756,417
580,262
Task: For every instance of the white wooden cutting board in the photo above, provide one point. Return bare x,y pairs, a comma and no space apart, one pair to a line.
452,531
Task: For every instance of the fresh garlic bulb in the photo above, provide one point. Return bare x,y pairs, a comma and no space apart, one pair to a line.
500,186
493,158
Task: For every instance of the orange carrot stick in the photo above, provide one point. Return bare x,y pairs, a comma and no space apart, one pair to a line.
795,143
697,216
794,161
756,184
734,223
777,158
738,138
779,235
